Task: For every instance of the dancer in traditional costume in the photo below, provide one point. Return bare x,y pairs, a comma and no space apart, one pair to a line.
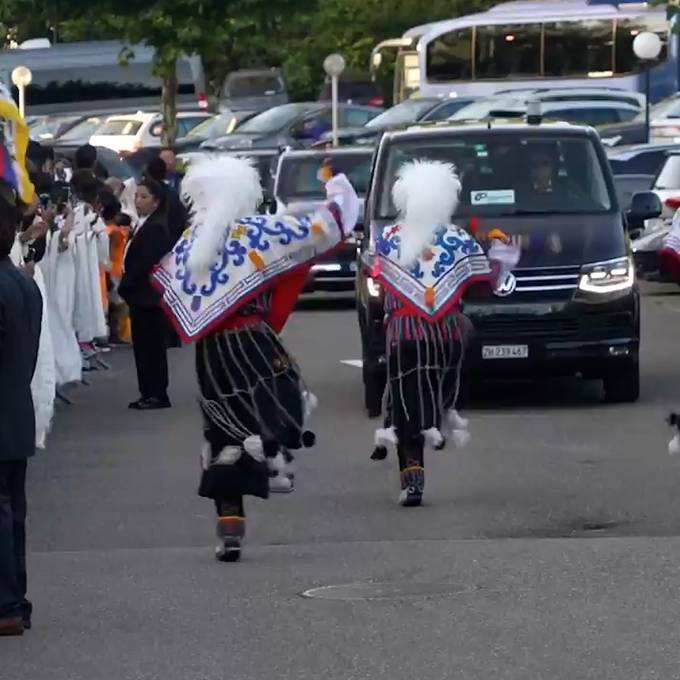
230,285
425,264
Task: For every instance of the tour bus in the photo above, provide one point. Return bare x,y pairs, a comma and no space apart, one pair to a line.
529,43
90,76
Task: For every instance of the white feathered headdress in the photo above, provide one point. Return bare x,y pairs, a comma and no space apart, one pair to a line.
220,191
426,195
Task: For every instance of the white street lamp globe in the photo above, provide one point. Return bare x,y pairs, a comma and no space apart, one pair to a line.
334,65
22,76
647,46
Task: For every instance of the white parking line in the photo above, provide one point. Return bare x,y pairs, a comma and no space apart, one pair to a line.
356,363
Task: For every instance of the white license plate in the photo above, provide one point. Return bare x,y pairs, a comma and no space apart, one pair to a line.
505,351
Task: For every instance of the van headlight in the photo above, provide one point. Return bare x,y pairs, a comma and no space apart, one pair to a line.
611,276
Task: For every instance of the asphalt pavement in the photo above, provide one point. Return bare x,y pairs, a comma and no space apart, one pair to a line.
548,549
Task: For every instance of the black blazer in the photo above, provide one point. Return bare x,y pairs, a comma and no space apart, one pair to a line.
149,244
20,318
178,216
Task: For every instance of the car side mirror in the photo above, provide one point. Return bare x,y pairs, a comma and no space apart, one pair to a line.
645,205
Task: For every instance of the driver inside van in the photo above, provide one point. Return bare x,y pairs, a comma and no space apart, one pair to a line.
541,172
545,186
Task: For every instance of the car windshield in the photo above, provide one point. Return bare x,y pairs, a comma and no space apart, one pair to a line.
49,128
407,112
274,119
119,126
509,174
298,175
669,177
255,85
84,130
212,128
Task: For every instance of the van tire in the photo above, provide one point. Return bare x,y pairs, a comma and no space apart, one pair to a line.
622,384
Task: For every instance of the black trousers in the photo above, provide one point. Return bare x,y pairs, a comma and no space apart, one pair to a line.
12,538
149,342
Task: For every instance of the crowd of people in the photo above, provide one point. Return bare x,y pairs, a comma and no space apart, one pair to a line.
77,249
77,240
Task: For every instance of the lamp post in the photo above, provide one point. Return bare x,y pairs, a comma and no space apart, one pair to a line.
22,77
647,47
334,65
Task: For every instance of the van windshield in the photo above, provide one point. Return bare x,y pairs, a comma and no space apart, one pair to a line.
508,174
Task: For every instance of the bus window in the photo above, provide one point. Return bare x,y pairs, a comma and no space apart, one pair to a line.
449,57
508,51
578,48
626,30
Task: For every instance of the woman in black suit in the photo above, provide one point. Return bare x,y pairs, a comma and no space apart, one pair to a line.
149,244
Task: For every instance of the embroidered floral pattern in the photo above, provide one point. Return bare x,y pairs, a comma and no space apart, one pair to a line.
248,237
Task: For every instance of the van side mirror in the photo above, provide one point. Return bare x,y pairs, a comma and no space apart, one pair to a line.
644,205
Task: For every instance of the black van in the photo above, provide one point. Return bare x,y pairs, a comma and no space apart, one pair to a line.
572,306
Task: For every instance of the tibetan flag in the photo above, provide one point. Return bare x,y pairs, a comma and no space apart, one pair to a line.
14,140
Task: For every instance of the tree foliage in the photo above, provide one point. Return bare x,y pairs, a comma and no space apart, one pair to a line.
233,34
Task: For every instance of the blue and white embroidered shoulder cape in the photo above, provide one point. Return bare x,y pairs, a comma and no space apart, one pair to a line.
437,280
257,251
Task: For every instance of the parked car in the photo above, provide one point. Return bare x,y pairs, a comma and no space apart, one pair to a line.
212,128
567,94
81,132
581,112
291,125
46,128
665,120
128,133
640,159
425,110
354,90
254,90
574,308
666,184
297,188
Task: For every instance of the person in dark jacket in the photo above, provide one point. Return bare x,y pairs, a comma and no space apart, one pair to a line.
149,244
178,217
173,176
86,159
20,320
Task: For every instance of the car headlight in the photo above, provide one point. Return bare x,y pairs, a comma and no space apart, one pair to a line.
608,277
373,287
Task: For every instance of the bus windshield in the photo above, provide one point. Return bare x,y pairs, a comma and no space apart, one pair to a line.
509,174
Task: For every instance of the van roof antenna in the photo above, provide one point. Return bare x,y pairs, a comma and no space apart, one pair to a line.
534,112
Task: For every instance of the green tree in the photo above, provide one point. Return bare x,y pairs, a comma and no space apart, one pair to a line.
353,27
171,27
